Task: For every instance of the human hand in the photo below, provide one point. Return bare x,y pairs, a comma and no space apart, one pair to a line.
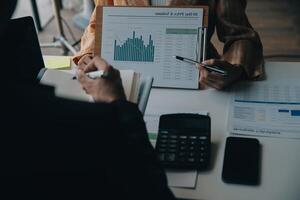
216,80
107,89
84,61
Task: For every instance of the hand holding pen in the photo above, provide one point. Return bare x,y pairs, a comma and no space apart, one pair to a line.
95,74
208,67
215,80
101,81
215,73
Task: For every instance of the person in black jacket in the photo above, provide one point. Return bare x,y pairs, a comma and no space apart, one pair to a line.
72,149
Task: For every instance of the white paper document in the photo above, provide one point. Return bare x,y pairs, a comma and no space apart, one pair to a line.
181,178
266,109
146,39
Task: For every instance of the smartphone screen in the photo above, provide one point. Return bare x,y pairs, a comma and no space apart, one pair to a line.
241,161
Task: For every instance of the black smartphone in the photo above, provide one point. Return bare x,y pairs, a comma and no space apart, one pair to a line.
241,161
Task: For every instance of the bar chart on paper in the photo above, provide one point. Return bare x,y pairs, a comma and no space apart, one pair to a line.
134,49
146,39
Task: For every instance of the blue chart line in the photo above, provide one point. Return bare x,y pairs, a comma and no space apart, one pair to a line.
268,102
134,49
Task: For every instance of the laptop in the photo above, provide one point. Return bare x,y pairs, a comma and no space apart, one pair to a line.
22,35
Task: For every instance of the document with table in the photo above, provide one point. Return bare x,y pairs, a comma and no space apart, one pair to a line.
146,39
269,109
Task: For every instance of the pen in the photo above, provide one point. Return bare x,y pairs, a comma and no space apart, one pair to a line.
210,68
95,74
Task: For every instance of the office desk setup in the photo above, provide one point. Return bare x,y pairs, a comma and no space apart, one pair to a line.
280,157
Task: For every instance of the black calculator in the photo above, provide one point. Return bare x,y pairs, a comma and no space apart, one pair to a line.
184,141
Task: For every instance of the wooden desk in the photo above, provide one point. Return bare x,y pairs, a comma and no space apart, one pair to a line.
280,166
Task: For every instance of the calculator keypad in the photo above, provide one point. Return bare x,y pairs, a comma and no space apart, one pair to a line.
183,151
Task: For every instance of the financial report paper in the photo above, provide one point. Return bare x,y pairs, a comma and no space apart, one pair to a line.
146,39
266,109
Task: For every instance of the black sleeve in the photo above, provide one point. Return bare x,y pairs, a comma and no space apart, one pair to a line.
95,150
142,176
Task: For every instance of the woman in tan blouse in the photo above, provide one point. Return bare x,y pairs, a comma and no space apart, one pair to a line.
242,54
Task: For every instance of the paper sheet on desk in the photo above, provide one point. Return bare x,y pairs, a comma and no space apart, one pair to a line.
266,109
183,179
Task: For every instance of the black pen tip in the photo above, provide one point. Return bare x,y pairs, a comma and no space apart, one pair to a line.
178,57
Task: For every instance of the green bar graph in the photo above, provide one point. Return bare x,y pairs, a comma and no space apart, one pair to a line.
134,49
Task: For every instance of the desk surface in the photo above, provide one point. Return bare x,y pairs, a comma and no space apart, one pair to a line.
280,167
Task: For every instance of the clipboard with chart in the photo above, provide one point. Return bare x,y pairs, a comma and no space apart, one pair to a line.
146,39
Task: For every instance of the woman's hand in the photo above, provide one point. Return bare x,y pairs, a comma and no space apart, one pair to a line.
215,80
106,89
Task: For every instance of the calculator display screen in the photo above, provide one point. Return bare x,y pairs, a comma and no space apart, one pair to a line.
186,124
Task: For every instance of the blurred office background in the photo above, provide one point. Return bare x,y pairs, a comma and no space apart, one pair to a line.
276,21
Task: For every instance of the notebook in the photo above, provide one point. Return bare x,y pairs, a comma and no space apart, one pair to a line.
68,88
